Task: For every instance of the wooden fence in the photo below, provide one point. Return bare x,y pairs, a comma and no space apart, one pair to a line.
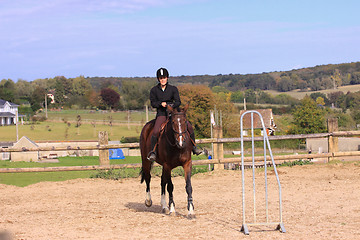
218,160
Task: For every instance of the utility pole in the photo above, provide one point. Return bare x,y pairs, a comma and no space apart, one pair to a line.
147,112
17,128
46,106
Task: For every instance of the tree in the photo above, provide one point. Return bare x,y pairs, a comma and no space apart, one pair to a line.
135,94
7,90
335,97
250,95
285,84
24,90
237,97
37,99
320,101
316,95
110,97
80,86
308,118
62,89
336,79
202,100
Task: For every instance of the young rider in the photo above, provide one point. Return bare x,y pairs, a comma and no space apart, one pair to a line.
160,96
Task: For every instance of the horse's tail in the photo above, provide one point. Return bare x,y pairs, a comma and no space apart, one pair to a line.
142,173
145,133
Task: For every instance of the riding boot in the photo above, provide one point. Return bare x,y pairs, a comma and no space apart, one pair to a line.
195,150
152,154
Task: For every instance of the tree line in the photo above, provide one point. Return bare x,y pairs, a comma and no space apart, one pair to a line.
316,78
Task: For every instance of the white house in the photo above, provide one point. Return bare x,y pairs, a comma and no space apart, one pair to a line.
8,112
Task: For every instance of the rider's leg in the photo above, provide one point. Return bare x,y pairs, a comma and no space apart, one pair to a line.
195,150
154,137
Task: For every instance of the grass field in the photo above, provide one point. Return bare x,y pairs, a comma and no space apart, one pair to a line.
58,131
300,95
99,116
55,129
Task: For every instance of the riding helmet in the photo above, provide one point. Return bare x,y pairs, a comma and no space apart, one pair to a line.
162,73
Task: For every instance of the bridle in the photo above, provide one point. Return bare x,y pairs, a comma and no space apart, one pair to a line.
179,133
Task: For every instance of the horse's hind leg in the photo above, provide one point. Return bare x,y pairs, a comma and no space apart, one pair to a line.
147,176
188,187
166,181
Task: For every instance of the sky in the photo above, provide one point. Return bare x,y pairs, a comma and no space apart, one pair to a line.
133,38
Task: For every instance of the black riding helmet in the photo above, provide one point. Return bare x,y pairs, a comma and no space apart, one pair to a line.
162,73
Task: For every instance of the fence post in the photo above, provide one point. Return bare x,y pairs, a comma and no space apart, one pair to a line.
332,124
103,154
218,147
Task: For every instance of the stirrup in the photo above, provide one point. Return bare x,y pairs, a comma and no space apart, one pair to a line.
196,151
151,157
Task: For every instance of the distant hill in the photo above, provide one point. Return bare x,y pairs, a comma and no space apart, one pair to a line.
306,79
301,94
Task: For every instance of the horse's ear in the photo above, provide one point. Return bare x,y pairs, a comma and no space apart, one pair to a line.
169,108
186,106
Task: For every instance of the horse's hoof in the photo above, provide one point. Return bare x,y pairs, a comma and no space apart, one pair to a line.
148,203
191,212
165,210
172,209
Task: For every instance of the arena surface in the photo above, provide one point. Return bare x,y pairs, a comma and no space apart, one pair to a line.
319,202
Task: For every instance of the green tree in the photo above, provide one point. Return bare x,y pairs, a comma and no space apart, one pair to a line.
63,87
237,97
308,118
135,94
7,90
37,98
250,96
24,90
80,86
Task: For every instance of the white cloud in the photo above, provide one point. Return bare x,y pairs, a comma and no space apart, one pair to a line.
10,9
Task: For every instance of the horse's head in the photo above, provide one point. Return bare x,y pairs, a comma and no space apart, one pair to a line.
179,125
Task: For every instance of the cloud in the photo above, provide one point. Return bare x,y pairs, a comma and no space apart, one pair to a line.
10,9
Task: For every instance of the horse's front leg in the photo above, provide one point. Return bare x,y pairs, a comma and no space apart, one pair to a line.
188,187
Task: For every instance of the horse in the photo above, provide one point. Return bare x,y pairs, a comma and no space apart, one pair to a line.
173,149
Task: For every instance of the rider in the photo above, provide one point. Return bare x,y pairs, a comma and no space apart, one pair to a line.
160,96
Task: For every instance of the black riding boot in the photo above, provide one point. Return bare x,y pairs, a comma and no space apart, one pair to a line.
195,150
152,154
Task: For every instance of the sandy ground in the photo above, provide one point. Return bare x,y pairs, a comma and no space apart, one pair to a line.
319,202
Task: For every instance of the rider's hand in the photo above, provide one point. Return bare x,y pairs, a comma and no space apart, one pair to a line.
163,104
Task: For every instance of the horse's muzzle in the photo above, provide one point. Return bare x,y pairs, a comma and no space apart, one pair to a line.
180,141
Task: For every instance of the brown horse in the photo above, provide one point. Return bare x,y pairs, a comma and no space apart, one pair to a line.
173,150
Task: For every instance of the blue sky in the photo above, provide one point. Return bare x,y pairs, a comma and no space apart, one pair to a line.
133,38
